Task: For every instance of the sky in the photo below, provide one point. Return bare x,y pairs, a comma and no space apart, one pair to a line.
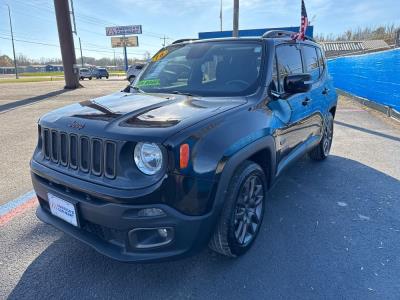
36,34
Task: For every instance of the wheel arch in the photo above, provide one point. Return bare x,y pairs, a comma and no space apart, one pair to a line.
261,151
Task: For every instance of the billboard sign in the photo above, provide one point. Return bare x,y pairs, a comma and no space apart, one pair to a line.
123,30
127,41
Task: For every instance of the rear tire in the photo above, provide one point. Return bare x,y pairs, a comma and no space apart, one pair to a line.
242,213
321,151
131,79
90,78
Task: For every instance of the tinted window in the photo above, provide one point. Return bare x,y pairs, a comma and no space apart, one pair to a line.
321,61
289,62
275,78
311,61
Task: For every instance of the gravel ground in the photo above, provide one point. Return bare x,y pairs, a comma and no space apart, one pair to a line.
331,229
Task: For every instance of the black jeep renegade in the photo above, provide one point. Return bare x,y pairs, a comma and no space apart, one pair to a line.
183,158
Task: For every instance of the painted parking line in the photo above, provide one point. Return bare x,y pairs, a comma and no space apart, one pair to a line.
17,206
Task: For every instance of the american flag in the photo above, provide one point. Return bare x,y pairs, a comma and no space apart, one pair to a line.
304,23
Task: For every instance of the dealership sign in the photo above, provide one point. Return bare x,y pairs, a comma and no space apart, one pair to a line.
124,41
123,30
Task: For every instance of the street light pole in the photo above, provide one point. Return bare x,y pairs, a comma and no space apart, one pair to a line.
12,41
235,32
220,17
80,47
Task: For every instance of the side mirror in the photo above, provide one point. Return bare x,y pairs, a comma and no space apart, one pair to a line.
298,83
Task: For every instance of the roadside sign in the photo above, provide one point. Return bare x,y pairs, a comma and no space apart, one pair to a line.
127,41
123,30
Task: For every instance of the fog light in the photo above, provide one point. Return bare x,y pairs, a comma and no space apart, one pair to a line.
144,238
150,212
163,232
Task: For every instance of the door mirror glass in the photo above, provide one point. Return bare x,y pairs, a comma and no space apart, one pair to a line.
298,83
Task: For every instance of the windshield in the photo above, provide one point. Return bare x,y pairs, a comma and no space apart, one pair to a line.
205,69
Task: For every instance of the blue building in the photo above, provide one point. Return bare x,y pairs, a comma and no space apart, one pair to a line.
251,32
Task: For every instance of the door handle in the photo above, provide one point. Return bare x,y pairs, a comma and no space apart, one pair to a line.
325,91
306,101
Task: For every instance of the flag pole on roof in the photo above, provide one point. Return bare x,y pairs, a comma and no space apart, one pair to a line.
304,24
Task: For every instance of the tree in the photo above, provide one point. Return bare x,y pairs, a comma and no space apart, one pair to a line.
6,61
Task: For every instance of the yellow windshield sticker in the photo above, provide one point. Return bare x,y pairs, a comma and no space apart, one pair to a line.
160,55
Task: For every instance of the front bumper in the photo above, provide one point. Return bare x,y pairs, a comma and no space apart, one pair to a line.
106,226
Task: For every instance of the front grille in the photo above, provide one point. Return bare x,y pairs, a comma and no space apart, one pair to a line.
79,152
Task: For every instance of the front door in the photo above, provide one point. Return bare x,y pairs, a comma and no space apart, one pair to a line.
296,131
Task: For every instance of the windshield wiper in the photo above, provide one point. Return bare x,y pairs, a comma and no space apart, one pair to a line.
137,89
183,93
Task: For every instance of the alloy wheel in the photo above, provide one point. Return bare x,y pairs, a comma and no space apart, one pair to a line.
249,209
328,135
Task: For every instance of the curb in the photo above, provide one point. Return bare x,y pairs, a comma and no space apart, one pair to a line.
388,111
17,206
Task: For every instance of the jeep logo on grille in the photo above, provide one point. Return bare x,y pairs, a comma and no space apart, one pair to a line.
77,125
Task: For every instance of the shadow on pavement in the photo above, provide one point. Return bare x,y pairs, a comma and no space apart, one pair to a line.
31,100
331,231
387,136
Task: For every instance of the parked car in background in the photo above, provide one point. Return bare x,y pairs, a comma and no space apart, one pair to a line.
85,73
134,71
99,73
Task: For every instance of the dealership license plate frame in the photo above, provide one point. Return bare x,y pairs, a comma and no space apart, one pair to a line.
56,203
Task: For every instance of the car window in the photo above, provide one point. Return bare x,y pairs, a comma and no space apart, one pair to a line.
221,68
289,62
321,61
311,62
274,86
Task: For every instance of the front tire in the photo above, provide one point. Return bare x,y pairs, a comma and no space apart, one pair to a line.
321,151
242,213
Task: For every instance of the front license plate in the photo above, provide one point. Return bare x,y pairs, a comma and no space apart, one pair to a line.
63,209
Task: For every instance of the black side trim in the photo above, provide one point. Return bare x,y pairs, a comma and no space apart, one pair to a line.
229,166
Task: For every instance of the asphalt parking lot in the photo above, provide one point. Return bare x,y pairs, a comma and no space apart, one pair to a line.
331,229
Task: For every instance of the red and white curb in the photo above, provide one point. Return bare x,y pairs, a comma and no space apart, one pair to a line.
17,206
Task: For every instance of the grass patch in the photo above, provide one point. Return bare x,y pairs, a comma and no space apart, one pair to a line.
32,79
41,74
117,73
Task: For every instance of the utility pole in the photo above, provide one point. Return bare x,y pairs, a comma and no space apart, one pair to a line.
66,43
75,31
164,40
235,32
80,47
220,17
73,16
12,41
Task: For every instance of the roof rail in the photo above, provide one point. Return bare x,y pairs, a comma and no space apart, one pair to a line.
183,40
283,33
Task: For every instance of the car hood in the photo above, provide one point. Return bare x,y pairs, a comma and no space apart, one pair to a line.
133,116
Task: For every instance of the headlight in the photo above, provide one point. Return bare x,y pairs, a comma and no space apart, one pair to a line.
148,158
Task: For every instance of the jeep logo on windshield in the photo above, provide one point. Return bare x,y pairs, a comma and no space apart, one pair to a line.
77,125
